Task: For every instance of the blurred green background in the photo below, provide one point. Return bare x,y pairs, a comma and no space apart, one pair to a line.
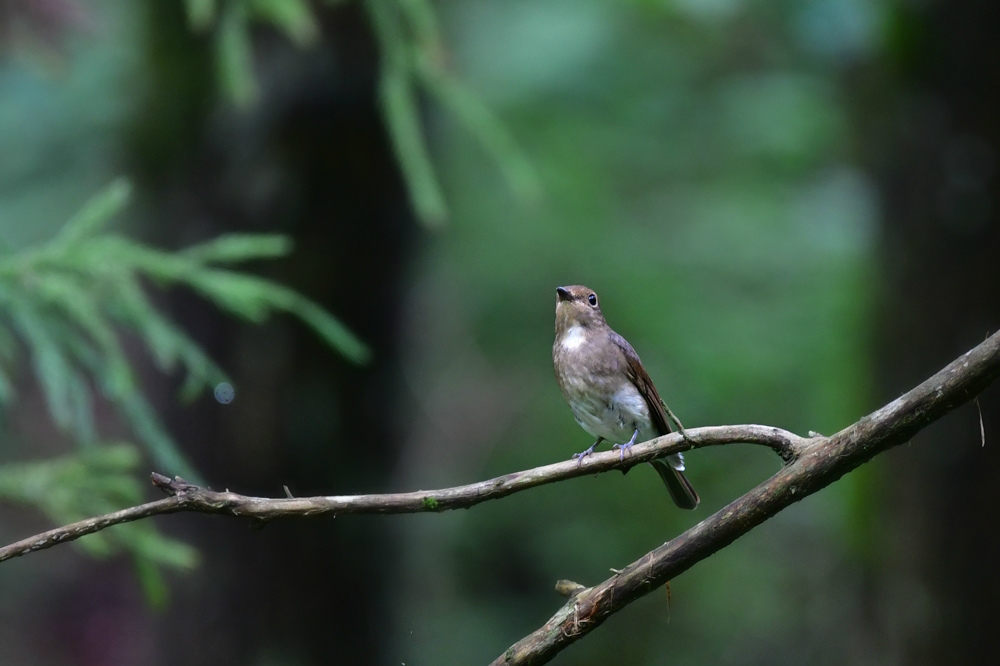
789,208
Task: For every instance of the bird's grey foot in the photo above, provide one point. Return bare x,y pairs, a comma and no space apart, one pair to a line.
583,454
627,445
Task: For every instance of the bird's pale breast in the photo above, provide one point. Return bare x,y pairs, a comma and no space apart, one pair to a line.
591,378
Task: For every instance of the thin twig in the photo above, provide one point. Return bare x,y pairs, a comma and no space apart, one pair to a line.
89,526
188,497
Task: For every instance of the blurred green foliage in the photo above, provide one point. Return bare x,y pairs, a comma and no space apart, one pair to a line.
92,482
414,59
66,303
695,162
65,299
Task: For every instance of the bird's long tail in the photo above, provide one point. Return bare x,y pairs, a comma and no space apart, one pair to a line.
681,490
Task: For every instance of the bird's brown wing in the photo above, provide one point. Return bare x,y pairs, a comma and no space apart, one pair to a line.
640,378
680,488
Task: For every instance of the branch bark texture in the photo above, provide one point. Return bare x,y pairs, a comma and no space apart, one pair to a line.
820,463
189,497
811,464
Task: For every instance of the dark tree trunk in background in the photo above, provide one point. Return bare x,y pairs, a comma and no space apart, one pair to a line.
935,151
310,160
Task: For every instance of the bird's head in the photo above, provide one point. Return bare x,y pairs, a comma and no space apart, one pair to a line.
577,305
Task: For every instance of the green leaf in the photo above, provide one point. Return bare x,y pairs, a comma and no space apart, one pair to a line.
168,343
293,17
153,585
8,343
7,392
131,404
231,248
234,55
254,299
51,365
150,552
83,410
96,212
402,115
75,486
115,253
81,307
8,350
147,542
94,482
141,416
70,299
423,23
201,13
470,110
249,297
330,329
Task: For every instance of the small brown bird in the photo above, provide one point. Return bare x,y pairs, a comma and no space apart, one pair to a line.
610,393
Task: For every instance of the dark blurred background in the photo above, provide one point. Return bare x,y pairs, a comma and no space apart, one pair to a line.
790,208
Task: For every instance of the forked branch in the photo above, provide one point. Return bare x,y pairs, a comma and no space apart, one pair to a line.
822,462
811,464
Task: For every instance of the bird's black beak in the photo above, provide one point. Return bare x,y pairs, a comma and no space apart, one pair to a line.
562,294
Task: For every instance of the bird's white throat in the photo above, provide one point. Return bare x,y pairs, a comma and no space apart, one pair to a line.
573,338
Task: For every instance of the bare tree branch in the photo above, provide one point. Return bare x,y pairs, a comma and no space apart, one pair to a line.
811,464
188,497
825,460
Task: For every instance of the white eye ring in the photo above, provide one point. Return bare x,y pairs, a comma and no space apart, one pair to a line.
592,299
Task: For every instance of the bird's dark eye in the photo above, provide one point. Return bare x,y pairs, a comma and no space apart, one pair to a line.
592,299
